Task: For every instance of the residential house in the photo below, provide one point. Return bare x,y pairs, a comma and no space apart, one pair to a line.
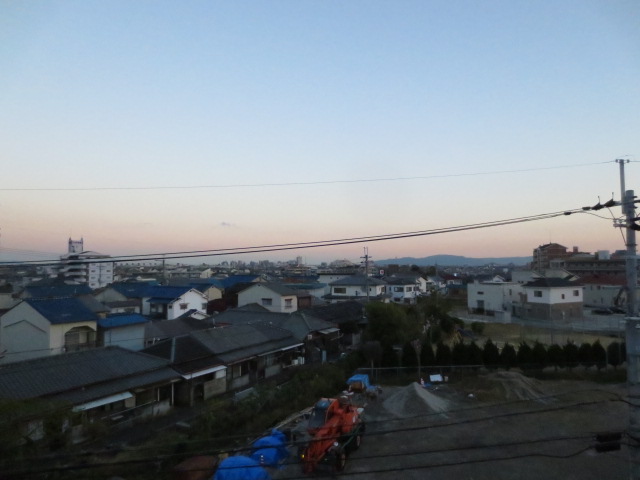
357,287
320,338
126,330
125,296
230,358
405,289
55,288
497,299
159,330
272,296
605,290
170,302
552,299
49,326
350,317
111,385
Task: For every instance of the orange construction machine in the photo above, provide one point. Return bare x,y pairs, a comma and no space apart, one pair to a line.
334,430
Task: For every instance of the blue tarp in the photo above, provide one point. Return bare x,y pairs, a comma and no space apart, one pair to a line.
270,450
361,378
240,468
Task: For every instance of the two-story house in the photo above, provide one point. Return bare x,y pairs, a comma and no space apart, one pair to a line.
171,302
357,287
272,296
552,299
47,326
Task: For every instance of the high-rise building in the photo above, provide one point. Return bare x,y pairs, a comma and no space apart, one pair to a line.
81,266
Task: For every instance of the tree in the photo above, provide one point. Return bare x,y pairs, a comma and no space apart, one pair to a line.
539,355
459,354
389,325
585,355
372,351
427,357
409,357
490,354
389,357
599,355
555,355
614,354
571,357
443,355
525,356
474,354
508,356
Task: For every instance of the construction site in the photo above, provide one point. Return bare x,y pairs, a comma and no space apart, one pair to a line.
499,425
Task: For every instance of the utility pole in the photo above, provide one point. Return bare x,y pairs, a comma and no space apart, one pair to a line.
366,271
632,327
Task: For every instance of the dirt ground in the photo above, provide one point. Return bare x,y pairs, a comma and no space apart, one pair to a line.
501,425
514,334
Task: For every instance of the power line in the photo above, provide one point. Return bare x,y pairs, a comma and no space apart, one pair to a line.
305,245
290,184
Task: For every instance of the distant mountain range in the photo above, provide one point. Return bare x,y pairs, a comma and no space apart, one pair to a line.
454,261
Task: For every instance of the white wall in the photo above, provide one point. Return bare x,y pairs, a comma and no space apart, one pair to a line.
263,296
497,297
24,333
553,296
130,337
193,300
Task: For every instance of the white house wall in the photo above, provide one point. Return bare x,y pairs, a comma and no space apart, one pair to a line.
24,333
258,292
131,337
193,300
552,296
497,297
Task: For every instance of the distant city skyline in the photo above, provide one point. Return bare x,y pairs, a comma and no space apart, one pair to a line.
150,128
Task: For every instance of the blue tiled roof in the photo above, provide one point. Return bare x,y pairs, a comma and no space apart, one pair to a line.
122,320
132,289
62,310
157,292
234,279
51,291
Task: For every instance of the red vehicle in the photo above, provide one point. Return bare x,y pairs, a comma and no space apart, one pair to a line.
335,429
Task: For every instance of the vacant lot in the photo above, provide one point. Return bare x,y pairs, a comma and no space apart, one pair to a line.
496,426
514,334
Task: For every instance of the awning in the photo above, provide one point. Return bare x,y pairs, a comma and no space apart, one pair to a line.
189,376
102,401
329,330
281,349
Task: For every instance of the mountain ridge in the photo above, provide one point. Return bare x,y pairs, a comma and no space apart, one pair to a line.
455,261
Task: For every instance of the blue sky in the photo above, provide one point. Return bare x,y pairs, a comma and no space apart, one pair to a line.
111,94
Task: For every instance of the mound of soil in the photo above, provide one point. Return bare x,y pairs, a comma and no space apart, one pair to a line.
414,400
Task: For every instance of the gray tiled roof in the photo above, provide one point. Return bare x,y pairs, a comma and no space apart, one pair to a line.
275,287
298,323
358,281
74,375
237,342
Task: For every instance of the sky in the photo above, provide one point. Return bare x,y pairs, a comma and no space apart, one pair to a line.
164,126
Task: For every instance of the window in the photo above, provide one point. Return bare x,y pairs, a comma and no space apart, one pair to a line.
204,306
537,293
267,302
397,289
339,290
408,289
576,293
288,303
480,293
183,306
562,296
